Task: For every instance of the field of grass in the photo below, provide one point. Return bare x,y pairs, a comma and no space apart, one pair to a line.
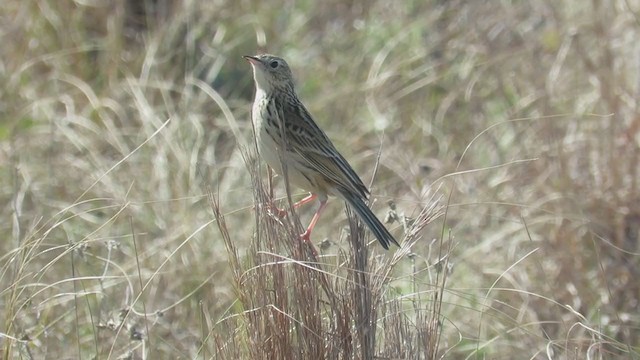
501,141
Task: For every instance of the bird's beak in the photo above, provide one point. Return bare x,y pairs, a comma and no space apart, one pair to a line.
252,59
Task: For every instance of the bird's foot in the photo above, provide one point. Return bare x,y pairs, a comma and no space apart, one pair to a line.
280,213
305,237
272,209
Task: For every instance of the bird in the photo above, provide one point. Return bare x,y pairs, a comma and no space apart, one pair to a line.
288,139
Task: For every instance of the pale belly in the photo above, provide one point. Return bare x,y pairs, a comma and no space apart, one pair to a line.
271,152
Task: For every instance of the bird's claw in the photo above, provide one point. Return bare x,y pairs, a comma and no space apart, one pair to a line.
272,209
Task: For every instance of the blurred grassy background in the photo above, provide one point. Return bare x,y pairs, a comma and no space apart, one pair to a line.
520,116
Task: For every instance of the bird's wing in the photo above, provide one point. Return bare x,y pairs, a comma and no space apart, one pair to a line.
312,144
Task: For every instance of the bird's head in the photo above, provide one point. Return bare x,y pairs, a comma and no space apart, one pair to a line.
270,72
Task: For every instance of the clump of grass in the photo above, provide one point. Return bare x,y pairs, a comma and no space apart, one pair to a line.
299,305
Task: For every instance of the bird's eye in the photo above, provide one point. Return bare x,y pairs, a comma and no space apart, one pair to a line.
274,64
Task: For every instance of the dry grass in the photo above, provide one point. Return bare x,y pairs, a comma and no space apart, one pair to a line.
136,215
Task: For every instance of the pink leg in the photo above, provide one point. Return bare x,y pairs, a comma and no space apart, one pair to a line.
307,234
281,213
306,200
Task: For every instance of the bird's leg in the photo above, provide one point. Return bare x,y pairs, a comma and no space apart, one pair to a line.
306,236
306,200
281,213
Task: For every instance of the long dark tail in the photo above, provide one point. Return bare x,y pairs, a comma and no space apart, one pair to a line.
367,216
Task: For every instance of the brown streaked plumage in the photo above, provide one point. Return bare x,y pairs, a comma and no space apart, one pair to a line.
311,160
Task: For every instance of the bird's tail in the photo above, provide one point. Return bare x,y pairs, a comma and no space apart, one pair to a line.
367,216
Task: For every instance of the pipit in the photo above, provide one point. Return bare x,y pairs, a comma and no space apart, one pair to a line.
288,139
